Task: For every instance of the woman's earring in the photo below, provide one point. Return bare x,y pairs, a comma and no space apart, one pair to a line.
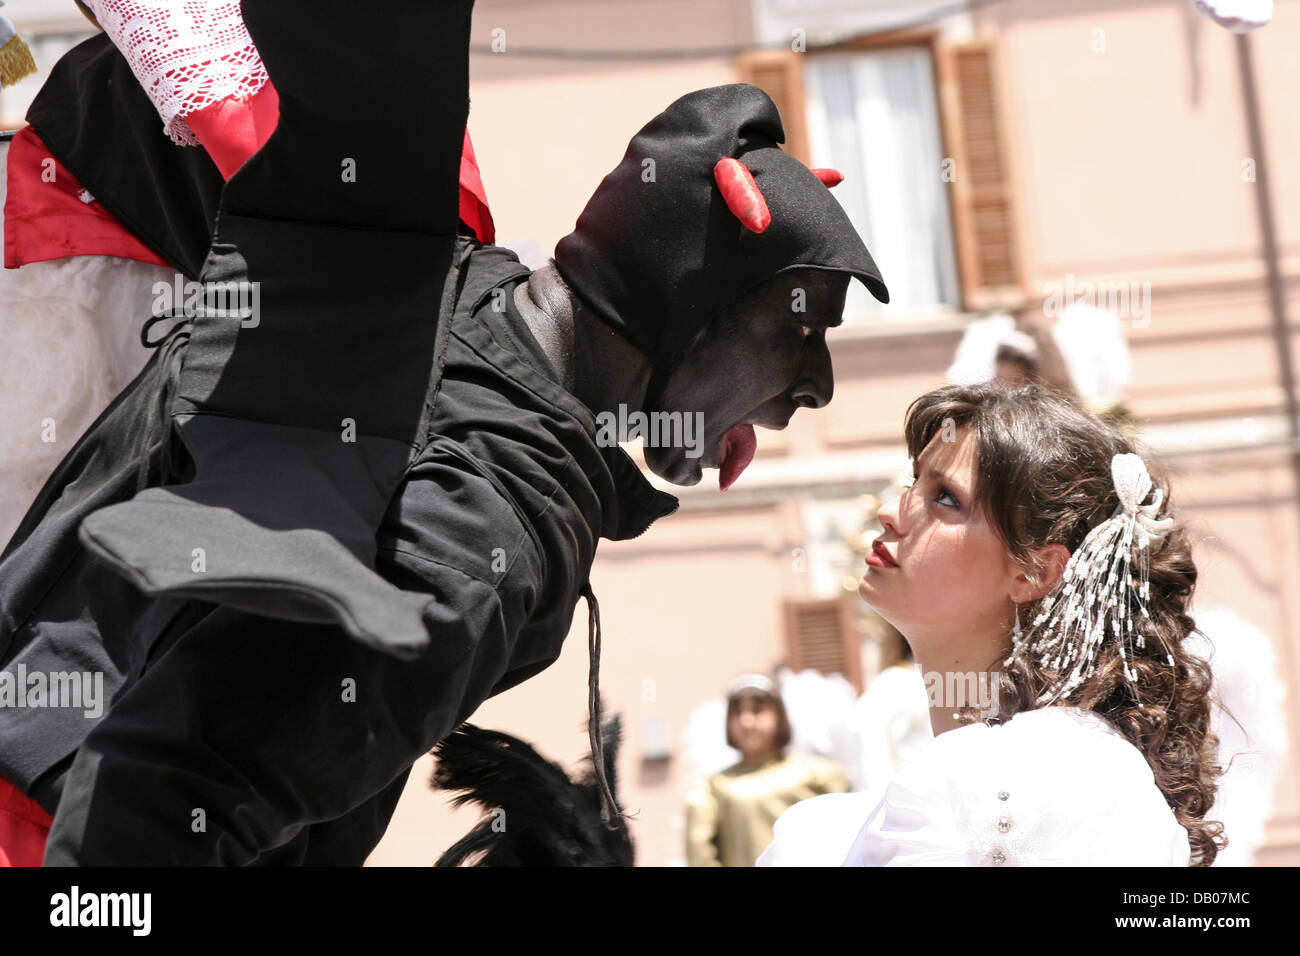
1017,641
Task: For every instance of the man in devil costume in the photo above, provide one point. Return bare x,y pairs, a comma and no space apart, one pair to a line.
305,544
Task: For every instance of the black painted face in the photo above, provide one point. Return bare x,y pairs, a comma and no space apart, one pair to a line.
758,362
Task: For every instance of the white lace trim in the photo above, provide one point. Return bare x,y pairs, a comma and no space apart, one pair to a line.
187,55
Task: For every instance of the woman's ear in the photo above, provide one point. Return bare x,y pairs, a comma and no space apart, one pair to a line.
1050,565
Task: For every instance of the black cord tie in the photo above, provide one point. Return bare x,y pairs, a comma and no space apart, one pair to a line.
163,317
609,806
157,456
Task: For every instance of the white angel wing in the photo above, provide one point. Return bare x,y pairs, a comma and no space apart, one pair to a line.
1251,747
704,742
820,707
1092,344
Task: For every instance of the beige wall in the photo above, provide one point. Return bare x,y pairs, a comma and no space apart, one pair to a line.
1131,158
547,131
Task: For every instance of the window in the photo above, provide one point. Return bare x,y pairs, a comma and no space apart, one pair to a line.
874,116
820,635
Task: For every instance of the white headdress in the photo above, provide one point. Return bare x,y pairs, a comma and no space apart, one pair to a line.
759,683
1099,595
976,358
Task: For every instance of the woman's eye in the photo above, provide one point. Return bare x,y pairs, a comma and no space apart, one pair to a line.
942,496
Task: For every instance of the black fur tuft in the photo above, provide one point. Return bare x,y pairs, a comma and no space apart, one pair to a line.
536,815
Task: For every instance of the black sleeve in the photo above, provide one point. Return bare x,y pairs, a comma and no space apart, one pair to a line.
245,730
391,96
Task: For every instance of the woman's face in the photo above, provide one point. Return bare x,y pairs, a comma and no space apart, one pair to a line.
753,723
947,590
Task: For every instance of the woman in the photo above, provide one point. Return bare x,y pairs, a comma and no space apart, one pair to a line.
1031,556
729,817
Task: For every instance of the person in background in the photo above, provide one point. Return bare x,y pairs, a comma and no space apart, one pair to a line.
729,816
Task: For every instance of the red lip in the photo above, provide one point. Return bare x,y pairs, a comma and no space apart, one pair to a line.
881,555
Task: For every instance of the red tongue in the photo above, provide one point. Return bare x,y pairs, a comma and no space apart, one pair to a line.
738,447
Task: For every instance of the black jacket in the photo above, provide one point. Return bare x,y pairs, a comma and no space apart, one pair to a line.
236,738
239,739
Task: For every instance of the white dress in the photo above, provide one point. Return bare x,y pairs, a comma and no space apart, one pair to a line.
1057,786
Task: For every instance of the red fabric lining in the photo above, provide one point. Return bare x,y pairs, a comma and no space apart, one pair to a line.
474,210
24,828
45,219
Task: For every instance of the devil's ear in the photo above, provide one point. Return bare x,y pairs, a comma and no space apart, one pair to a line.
741,194
831,177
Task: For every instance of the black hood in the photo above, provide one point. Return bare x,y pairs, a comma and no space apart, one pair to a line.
659,258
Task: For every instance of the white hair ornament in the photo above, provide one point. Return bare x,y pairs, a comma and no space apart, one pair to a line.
1099,594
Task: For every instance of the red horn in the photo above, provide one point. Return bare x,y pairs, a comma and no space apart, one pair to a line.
742,195
831,177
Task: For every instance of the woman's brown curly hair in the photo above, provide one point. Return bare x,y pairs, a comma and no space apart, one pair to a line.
1044,476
